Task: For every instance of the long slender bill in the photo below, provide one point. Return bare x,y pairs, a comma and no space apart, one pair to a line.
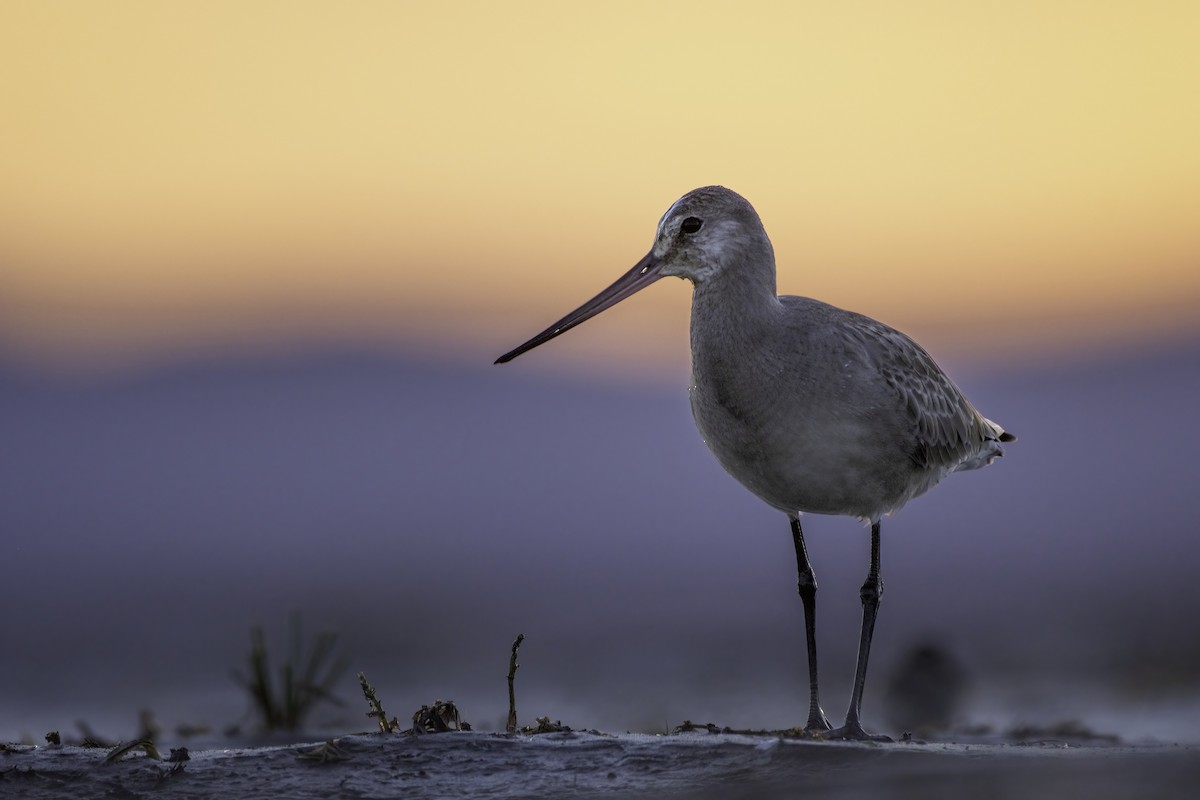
644,273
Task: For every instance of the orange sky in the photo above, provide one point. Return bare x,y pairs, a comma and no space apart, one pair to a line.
180,175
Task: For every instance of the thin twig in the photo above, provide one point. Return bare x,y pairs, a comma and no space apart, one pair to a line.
376,707
512,673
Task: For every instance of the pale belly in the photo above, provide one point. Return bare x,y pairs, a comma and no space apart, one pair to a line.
816,460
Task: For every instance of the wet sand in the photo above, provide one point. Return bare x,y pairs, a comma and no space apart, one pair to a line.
692,765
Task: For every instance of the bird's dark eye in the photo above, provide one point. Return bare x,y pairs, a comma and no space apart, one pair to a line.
691,225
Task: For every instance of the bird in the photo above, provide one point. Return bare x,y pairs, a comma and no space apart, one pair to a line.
813,408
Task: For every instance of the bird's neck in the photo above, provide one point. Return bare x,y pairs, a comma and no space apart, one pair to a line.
732,312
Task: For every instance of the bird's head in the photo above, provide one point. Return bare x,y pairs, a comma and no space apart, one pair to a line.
704,234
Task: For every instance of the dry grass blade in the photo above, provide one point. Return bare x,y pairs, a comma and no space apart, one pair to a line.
122,750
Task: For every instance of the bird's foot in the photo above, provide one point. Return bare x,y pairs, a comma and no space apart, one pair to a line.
853,732
817,723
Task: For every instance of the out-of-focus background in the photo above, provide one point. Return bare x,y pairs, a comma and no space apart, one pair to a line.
256,260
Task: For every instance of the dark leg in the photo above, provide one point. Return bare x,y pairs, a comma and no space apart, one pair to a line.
870,593
808,594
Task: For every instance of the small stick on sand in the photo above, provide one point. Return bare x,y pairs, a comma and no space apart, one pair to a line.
376,707
512,673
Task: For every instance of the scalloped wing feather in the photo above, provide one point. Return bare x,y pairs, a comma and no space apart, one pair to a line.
951,435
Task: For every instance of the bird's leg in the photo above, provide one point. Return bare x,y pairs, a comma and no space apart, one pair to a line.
872,590
807,584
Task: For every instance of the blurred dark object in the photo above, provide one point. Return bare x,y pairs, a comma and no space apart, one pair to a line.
1071,730
924,694
306,678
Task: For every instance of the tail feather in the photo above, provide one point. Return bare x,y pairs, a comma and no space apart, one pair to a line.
999,434
990,448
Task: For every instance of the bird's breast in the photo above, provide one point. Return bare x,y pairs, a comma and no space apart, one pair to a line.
794,440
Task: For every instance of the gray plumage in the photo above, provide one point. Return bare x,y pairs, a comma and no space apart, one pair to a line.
811,407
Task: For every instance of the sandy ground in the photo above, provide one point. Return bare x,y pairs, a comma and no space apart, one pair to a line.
692,765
